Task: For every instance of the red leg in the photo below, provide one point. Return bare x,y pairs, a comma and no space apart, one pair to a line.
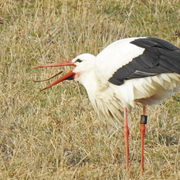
142,131
126,135
144,110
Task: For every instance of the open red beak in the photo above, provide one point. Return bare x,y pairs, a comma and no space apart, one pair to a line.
69,76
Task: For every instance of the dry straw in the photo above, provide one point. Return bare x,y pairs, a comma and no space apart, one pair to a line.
56,134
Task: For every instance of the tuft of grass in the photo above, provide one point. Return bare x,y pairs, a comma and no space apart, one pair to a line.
55,134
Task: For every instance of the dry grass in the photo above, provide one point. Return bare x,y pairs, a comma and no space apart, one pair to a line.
56,134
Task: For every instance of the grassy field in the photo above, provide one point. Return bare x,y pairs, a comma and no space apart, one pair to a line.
55,134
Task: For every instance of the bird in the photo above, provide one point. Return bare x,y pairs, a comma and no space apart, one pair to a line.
133,70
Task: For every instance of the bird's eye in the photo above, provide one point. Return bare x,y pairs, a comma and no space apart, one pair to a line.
78,60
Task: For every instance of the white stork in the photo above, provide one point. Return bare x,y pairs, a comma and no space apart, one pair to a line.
140,69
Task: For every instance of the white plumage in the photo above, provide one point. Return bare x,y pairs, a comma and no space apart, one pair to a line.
109,99
150,87
134,70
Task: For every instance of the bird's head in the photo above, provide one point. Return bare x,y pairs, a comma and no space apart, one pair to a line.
82,64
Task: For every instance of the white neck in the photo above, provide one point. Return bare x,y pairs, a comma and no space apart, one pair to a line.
91,82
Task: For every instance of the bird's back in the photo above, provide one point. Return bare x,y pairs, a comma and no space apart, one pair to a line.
145,70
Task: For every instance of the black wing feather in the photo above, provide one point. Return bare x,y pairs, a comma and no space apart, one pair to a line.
158,57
